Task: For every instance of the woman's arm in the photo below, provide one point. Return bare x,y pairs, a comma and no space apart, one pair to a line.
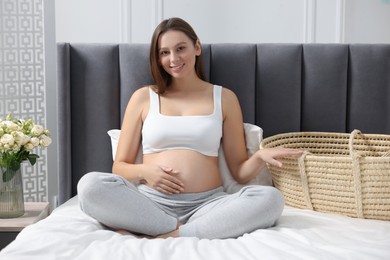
130,138
242,168
161,178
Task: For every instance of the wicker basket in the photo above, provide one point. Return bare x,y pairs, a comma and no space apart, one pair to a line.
347,174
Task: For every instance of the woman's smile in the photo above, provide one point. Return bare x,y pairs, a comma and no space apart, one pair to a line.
176,68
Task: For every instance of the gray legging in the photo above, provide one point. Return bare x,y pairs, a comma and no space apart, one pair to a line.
119,204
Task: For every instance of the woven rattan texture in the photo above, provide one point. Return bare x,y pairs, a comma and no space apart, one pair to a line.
340,173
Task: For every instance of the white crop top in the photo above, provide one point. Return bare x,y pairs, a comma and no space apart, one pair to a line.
201,133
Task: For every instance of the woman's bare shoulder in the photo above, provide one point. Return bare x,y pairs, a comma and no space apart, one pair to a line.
230,103
140,96
138,101
228,95
141,93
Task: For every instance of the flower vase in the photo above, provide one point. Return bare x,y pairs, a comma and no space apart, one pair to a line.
11,193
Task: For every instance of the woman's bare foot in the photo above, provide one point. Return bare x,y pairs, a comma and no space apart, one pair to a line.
123,232
174,233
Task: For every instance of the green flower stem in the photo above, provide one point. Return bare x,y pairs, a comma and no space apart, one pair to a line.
10,162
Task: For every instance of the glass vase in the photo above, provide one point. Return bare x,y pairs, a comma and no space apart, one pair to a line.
11,194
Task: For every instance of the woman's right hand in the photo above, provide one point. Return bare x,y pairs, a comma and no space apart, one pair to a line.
163,179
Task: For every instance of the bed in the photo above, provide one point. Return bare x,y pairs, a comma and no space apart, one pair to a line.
300,234
281,87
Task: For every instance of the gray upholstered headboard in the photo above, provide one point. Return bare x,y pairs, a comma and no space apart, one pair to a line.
281,87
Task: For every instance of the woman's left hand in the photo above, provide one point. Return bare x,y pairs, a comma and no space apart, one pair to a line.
271,155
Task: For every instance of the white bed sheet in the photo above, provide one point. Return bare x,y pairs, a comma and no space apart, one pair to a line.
300,234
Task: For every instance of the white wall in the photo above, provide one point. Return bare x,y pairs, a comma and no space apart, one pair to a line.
368,21
88,20
254,21
297,21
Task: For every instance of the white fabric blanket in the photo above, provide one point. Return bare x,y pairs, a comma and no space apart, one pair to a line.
300,234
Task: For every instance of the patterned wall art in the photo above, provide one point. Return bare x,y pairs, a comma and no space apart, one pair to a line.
22,81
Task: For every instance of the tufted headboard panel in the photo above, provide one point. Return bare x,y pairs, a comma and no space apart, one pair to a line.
281,87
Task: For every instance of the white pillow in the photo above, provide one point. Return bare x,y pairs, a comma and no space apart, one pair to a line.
253,137
114,135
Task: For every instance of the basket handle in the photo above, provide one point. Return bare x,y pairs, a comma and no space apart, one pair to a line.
351,138
356,174
304,181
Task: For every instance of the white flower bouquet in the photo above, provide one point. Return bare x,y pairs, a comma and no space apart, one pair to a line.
17,140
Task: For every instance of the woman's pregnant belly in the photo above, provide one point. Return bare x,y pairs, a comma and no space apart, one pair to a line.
198,172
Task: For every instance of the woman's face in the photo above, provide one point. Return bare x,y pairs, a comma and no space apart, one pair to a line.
177,53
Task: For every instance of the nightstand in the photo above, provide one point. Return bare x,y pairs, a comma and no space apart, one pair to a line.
10,227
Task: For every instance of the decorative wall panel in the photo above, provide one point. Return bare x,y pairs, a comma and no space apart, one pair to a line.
22,81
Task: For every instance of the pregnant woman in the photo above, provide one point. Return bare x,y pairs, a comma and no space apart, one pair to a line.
181,121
